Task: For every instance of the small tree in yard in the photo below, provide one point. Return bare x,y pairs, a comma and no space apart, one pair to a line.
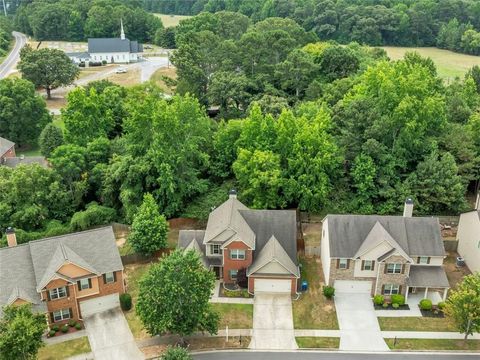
21,333
463,305
149,228
174,296
50,138
176,353
47,68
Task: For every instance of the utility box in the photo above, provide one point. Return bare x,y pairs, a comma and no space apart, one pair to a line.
304,285
460,261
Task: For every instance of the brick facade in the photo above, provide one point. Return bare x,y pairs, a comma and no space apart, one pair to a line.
231,264
347,274
8,154
71,301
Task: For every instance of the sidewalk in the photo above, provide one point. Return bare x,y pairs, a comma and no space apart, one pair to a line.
226,300
66,337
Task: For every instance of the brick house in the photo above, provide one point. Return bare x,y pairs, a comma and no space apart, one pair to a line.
8,157
7,149
263,242
385,255
67,277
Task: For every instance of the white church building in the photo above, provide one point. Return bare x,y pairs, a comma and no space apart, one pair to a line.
111,50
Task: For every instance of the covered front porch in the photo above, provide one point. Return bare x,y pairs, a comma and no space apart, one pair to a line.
427,282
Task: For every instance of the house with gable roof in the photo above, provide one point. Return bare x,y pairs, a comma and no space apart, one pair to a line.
67,277
385,255
263,242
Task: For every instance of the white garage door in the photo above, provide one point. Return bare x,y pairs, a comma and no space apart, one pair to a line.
273,285
99,304
347,286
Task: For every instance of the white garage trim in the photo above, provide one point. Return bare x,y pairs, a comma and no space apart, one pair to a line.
99,304
352,286
273,285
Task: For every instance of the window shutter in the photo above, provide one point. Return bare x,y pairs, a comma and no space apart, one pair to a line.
428,260
67,290
418,260
400,289
383,289
403,268
385,269
71,313
89,283
104,278
78,285
48,295
363,264
114,276
348,264
52,320
338,263
373,265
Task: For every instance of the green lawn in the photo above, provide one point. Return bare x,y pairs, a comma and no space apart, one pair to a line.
416,324
236,316
433,344
171,20
318,342
32,151
65,349
449,64
312,310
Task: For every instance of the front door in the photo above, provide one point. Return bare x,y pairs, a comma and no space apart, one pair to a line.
218,272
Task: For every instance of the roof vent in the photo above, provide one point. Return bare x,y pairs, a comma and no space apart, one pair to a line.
408,208
232,194
11,237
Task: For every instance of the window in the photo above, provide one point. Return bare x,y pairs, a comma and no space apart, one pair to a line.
233,274
343,263
423,260
368,265
60,315
237,254
109,277
215,249
394,268
391,289
58,293
84,284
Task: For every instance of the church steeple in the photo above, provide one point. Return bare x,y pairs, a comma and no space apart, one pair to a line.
122,33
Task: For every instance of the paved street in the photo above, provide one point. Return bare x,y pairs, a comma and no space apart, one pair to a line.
9,63
318,355
358,323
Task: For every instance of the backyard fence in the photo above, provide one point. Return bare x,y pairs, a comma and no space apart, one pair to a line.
139,258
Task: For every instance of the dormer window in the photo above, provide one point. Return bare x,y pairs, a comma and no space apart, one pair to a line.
84,284
423,260
215,249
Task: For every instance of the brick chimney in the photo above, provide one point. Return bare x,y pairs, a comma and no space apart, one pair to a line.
232,194
11,237
408,208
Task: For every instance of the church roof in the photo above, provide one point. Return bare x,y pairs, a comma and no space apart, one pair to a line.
112,45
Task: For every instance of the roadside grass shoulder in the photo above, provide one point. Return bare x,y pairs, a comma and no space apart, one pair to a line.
65,349
432,344
235,316
318,342
416,324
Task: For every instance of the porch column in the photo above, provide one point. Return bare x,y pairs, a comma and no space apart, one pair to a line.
445,292
426,293
406,295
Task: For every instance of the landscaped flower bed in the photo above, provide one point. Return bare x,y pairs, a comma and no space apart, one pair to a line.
390,306
396,302
241,293
429,310
57,330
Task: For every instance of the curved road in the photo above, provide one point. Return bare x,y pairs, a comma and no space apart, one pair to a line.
11,60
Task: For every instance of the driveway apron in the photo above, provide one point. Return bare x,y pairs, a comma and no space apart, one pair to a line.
358,323
273,322
110,337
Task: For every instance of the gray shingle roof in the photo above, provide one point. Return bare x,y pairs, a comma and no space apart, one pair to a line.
417,236
111,45
27,160
5,145
425,275
282,224
79,55
26,266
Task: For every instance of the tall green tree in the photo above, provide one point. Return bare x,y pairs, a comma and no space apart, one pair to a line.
149,228
21,333
50,138
47,68
174,296
23,114
463,305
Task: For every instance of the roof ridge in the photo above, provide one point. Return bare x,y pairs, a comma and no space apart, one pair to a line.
67,234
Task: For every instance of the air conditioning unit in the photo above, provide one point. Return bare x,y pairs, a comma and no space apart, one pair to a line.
460,261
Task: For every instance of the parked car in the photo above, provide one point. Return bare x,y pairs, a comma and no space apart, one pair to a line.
121,71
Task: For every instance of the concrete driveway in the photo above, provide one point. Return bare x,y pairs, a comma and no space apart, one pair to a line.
110,337
358,323
273,322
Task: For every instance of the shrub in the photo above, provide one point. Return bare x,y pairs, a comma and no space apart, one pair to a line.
236,293
398,299
94,214
104,62
242,279
64,328
94,63
328,291
78,326
125,301
385,305
176,353
441,305
51,333
378,299
72,323
55,328
425,304
395,305
50,138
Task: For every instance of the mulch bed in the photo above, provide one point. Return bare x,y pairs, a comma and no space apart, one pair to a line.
390,307
432,314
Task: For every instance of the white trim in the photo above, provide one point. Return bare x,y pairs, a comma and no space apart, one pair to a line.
259,267
409,260
58,275
229,241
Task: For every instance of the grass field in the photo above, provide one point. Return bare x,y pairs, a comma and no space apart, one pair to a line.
171,20
449,64
65,349
416,324
318,342
170,72
433,344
